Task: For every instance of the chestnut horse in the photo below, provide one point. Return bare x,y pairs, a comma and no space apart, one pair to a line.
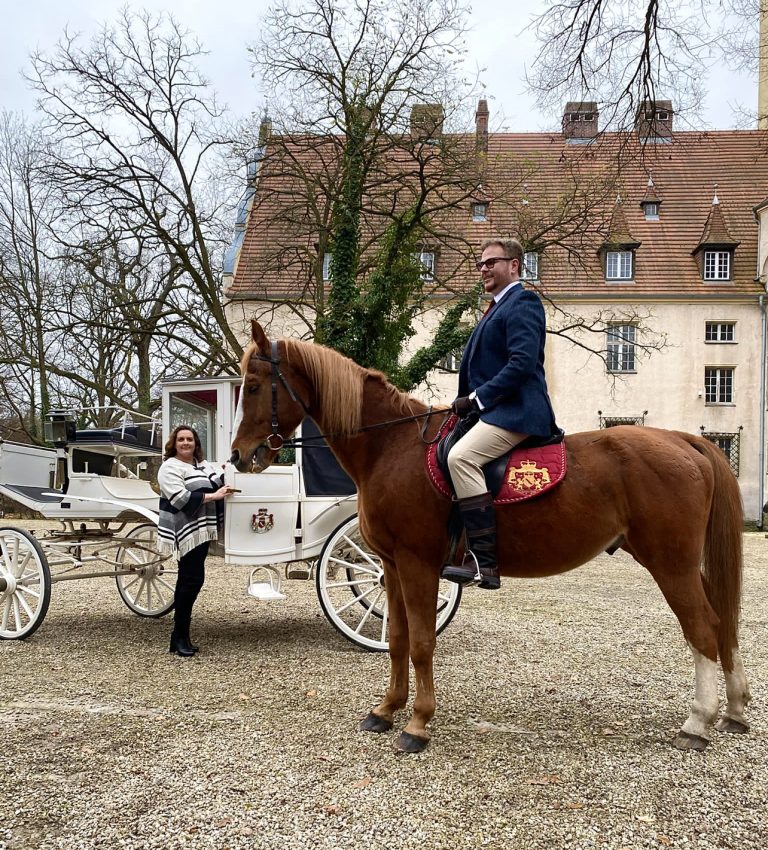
667,498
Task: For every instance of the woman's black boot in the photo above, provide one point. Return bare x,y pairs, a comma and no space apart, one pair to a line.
180,643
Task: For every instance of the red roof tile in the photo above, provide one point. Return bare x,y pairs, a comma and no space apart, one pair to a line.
558,196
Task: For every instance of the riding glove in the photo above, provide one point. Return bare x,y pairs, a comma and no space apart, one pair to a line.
463,406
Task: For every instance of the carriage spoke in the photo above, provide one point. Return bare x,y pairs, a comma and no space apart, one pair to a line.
352,583
385,624
349,564
25,588
23,603
366,556
16,613
160,581
368,611
356,600
6,612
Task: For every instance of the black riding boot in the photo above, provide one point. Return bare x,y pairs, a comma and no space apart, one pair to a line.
479,518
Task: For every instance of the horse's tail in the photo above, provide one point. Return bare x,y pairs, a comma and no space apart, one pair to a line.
723,557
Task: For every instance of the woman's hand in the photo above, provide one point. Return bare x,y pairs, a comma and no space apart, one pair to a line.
219,494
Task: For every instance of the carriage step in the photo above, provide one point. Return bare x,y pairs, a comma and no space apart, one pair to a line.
264,591
264,584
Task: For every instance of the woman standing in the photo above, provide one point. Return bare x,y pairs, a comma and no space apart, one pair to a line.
191,514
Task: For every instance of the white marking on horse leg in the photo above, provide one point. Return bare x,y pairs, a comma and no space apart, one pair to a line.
705,702
737,694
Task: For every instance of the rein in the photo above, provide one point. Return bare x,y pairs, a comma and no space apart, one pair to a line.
275,441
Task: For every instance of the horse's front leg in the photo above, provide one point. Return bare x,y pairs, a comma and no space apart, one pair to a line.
419,583
381,717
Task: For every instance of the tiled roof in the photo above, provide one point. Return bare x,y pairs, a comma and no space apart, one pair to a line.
561,197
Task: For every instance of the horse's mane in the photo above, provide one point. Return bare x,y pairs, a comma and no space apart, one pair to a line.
338,383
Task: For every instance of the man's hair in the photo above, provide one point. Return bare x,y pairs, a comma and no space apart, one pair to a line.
511,248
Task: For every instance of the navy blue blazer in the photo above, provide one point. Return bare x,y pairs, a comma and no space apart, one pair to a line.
503,364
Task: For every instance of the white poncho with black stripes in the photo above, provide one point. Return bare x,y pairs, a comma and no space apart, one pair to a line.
186,521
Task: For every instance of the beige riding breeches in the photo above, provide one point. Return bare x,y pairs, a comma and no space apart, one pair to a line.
478,446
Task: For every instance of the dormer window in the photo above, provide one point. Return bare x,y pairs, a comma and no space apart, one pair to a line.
619,265
651,210
427,261
479,212
717,265
530,266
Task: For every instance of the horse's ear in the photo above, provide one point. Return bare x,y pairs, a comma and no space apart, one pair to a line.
259,337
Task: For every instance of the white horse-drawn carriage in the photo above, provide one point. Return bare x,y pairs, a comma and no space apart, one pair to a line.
296,520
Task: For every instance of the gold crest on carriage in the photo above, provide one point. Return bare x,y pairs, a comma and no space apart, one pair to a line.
528,476
262,521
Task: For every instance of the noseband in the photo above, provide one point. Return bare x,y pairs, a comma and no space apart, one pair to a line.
275,441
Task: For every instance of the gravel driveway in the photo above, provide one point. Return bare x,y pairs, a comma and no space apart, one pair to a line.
557,700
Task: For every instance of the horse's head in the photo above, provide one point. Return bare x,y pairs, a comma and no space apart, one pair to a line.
270,406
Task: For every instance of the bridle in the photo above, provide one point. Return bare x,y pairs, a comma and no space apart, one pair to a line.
275,441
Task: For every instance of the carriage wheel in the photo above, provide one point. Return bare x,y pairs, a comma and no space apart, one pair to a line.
148,588
350,586
25,584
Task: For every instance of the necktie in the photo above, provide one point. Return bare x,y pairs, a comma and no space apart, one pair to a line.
489,308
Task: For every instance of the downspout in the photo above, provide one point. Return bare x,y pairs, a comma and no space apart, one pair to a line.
761,450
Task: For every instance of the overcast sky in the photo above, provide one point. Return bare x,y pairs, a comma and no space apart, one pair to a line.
226,26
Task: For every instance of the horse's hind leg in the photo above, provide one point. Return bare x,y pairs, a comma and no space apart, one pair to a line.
380,718
737,695
684,592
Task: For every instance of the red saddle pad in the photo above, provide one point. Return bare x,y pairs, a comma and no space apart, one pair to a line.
530,472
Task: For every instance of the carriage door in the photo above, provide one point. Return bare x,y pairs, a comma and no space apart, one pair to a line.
206,406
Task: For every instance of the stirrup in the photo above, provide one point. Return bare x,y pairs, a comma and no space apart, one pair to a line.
459,574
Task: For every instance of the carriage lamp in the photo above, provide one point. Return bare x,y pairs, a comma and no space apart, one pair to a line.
60,428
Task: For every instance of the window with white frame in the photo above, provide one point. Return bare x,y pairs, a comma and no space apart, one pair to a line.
651,209
718,385
326,267
717,265
530,266
720,332
618,265
620,348
479,212
452,360
427,260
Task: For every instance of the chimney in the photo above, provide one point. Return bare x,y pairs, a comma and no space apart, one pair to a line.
427,122
580,121
653,119
481,125
265,130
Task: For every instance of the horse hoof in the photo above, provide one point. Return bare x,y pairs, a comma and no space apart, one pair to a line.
408,743
687,741
373,723
728,724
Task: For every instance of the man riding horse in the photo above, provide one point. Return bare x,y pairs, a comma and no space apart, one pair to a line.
502,383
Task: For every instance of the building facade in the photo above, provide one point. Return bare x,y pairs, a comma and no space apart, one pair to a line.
650,249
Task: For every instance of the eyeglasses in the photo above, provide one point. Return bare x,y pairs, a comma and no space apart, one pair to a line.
490,262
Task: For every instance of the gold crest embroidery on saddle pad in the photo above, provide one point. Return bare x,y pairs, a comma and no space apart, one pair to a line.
530,472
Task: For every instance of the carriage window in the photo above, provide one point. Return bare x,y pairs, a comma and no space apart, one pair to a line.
729,444
620,348
718,386
720,332
198,409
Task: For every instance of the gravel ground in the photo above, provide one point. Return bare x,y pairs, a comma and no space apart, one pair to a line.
557,700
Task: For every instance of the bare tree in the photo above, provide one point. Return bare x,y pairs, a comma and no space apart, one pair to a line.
621,54
139,147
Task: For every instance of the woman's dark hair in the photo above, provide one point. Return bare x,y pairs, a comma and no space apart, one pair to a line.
170,446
